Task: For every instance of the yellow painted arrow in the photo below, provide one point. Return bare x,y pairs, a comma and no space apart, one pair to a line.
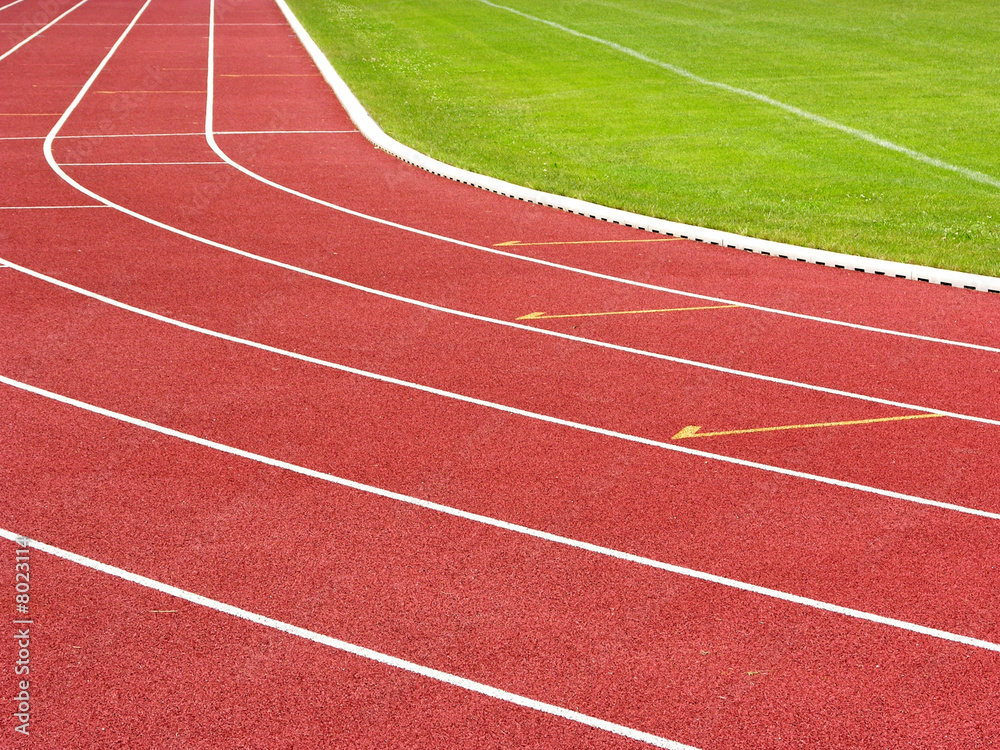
692,431
543,316
518,243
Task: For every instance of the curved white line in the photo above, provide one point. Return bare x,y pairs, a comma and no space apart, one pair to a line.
503,407
507,323
374,655
516,528
42,30
47,149
366,653
572,269
350,648
470,316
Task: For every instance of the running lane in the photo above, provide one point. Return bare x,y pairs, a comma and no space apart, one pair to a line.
254,69
617,640
668,655
469,279
646,397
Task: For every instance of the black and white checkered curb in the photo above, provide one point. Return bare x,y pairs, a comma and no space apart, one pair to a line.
371,130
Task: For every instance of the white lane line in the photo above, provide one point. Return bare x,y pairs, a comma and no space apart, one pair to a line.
472,316
39,208
511,324
136,163
47,149
42,30
863,135
512,527
594,274
674,447
366,653
10,5
350,648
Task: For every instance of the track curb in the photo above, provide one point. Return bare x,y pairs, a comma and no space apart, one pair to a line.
374,133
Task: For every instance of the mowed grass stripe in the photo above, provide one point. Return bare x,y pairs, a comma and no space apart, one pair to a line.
497,93
797,111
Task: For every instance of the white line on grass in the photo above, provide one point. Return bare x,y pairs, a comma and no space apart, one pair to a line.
47,149
503,407
42,30
350,648
791,109
516,528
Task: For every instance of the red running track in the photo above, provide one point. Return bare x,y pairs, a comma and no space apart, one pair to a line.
284,373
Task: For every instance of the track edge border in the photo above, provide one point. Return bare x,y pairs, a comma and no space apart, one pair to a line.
378,137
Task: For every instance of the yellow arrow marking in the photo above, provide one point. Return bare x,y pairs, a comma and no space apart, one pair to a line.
518,243
543,316
693,430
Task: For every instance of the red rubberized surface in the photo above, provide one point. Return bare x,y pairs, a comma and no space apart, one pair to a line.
116,664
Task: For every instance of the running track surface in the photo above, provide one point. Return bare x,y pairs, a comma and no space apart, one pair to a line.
334,421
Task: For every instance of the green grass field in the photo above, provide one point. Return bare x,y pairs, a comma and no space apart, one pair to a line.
494,92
